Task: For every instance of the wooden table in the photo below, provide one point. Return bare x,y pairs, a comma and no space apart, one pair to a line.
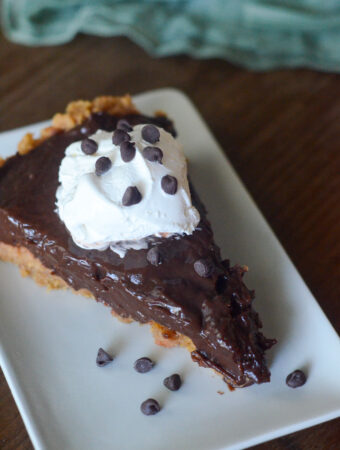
281,131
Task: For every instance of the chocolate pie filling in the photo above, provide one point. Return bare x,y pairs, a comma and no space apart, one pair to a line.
209,304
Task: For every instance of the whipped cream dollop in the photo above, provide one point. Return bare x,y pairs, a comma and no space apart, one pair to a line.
118,195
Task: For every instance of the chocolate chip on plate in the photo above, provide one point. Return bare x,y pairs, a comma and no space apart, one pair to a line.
89,146
203,267
143,365
132,196
123,124
153,154
150,134
169,184
103,164
103,358
173,382
154,256
127,151
296,379
120,136
150,407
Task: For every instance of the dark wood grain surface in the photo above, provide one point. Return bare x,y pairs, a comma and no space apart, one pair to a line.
281,131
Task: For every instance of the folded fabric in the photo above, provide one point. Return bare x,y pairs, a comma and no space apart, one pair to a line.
258,34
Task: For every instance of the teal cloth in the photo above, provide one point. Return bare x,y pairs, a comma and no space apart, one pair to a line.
258,34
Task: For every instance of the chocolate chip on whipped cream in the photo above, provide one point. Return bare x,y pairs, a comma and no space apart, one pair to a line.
120,136
89,146
123,124
153,154
118,202
103,164
150,134
169,184
127,151
131,196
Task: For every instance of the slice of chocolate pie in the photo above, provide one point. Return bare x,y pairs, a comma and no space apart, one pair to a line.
101,203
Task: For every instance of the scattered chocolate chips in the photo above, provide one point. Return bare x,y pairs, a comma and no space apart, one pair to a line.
296,379
153,154
173,382
154,256
127,151
203,267
89,146
103,164
150,407
169,184
103,358
143,365
131,196
124,125
120,136
150,134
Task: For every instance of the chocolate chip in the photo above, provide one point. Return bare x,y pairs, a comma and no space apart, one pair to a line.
203,267
124,125
131,196
143,365
89,146
103,164
127,151
150,407
153,154
120,136
169,184
154,256
296,379
173,382
150,134
103,358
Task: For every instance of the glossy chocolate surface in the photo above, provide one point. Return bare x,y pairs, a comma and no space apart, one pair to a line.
215,312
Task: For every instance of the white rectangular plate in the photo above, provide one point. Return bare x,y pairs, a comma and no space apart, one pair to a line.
49,341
